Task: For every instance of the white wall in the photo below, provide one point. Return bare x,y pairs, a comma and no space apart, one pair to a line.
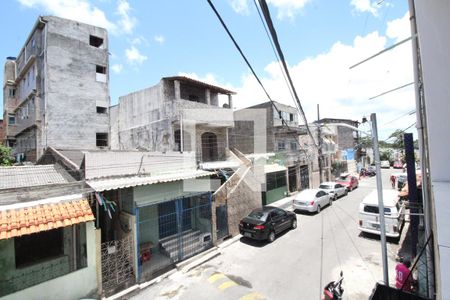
74,285
434,40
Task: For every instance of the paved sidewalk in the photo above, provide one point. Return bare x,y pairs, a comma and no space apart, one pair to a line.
285,203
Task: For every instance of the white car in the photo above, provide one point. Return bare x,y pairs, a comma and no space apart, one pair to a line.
335,190
385,164
394,213
311,200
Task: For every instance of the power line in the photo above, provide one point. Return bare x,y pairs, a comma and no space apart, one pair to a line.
250,66
401,116
266,12
273,48
393,90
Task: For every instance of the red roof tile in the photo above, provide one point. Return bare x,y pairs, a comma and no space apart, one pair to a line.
22,221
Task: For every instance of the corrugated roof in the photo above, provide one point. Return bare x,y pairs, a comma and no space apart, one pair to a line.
37,175
200,83
43,217
130,181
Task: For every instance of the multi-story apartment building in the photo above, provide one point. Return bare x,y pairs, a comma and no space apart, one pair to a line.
56,92
2,132
286,169
177,114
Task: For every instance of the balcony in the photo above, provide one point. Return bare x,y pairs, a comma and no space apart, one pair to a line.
203,114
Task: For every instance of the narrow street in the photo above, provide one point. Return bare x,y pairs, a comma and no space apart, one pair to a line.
297,265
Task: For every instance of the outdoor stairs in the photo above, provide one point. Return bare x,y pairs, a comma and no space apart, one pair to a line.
191,241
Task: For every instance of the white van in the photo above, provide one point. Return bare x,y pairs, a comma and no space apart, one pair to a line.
394,213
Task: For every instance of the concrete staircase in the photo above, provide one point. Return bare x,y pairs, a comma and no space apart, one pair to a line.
191,243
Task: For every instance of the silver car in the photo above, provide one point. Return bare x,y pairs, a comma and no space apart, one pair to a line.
311,200
335,190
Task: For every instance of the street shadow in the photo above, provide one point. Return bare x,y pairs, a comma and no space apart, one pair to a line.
258,243
307,213
376,237
405,250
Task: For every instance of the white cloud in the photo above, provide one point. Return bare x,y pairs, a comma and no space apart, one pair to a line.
78,10
288,8
159,39
365,6
240,6
399,29
343,93
134,56
117,68
126,22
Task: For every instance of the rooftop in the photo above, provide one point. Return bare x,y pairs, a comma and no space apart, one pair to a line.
29,176
200,83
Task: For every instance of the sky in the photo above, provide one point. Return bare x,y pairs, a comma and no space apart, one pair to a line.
321,40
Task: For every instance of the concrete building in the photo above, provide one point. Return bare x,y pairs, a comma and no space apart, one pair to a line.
56,92
289,170
433,87
150,201
328,136
2,132
47,235
177,114
347,141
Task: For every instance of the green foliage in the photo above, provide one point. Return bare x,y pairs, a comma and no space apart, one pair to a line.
397,139
386,154
6,158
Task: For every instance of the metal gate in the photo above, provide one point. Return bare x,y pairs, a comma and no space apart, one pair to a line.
117,265
172,231
304,177
222,221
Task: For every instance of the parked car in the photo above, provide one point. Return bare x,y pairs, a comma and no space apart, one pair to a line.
264,223
385,164
398,165
335,190
311,200
394,213
349,181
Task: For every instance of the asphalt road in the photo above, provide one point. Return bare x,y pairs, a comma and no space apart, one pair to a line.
297,265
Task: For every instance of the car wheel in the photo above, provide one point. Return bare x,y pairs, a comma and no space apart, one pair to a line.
318,209
271,237
331,202
294,224
345,193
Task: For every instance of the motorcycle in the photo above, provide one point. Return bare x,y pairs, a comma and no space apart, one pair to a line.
334,289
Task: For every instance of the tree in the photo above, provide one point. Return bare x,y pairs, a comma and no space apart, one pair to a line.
386,154
397,137
6,158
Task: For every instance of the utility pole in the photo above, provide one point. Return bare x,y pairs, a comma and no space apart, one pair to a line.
319,139
376,150
421,123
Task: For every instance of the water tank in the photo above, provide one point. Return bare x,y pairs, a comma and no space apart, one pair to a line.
10,69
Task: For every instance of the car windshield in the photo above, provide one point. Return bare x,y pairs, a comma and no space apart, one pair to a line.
375,210
324,186
258,215
345,179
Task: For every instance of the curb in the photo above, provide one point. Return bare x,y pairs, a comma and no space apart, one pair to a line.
229,242
194,258
201,261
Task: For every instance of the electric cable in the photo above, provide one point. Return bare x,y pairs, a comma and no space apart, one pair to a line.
250,66
266,13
